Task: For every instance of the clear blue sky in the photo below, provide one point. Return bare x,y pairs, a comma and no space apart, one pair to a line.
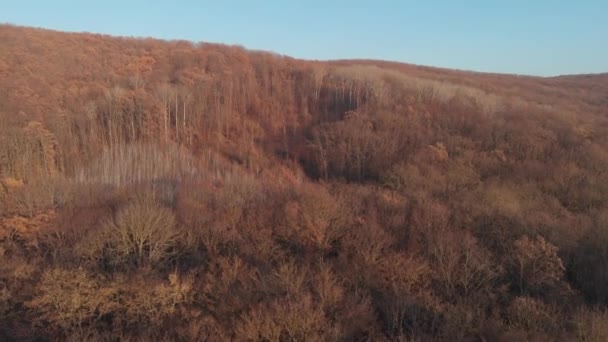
539,37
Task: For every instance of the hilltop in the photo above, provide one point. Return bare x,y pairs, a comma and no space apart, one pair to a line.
156,189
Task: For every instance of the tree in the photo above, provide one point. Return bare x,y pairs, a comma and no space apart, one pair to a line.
71,300
142,233
537,266
166,93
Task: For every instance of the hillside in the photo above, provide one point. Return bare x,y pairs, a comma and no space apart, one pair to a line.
172,190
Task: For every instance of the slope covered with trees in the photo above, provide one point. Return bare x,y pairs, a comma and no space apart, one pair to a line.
166,190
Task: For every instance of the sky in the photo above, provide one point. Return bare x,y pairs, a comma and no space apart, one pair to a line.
534,37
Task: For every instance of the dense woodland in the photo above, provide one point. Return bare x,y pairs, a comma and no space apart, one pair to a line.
166,190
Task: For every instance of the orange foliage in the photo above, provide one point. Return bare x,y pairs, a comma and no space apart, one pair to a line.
154,190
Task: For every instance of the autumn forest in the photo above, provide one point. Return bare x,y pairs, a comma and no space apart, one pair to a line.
166,190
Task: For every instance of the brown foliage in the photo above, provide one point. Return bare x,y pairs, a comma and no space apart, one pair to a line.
69,300
538,266
154,190
591,325
142,233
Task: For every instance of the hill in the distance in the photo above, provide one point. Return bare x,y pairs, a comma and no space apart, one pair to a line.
169,190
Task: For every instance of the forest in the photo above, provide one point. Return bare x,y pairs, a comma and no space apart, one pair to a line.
158,190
